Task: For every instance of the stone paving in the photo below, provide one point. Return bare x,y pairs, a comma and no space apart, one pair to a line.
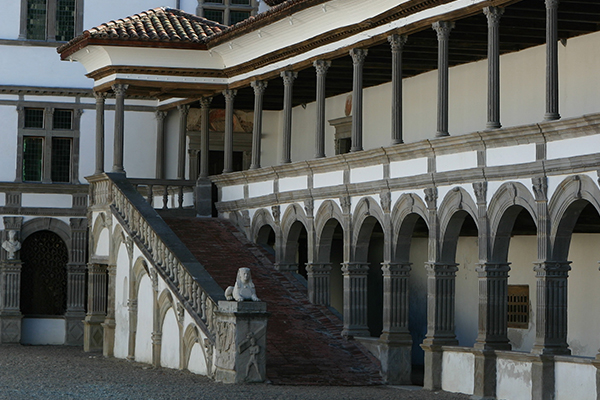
304,343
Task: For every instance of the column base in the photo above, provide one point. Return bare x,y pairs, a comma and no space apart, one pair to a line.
75,330
551,116
10,327
551,350
93,333
490,126
441,134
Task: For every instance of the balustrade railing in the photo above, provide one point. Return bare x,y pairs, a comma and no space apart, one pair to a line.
166,194
191,283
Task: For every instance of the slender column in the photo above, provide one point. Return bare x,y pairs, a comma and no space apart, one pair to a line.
109,321
259,89
183,113
229,95
288,85
318,283
493,15
397,43
96,308
204,136
132,309
552,60
358,59
321,66
443,29
160,144
119,90
75,312
100,101
355,299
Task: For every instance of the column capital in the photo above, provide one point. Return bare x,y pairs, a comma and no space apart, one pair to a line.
355,268
552,269
394,270
540,187
431,196
358,55
96,268
259,86
183,108
229,94
119,88
552,3
321,66
205,102
441,270
318,269
160,115
397,42
443,28
288,77
480,189
492,270
493,15
100,96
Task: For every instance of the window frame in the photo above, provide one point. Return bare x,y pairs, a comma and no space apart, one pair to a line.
47,133
226,7
51,28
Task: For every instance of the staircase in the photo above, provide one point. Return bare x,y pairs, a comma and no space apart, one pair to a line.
304,342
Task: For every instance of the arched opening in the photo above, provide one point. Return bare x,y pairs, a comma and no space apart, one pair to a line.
577,241
296,247
43,288
266,239
330,250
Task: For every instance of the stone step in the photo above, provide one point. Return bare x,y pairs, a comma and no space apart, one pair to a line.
304,342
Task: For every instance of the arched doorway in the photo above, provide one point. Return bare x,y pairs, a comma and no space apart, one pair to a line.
43,288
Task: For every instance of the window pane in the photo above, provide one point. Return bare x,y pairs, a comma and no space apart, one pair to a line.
65,20
215,1
34,118
61,160
32,158
214,15
246,2
36,19
237,16
62,119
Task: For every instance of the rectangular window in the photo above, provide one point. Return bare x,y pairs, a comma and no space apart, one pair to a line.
214,15
518,306
62,119
237,16
61,159
36,19
244,2
34,118
33,148
65,20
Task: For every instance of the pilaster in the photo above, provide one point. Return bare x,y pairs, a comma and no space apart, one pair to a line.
10,301
443,29
358,59
493,15
355,299
318,283
204,136
321,67
229,95
160,144
551,60
259,90
397,43
96,308
288,85
119,90
100,101
109,321
183,114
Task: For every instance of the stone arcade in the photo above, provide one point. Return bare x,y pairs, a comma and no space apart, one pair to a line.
409,159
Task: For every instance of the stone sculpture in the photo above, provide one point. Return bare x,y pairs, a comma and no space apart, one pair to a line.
11,245
243,289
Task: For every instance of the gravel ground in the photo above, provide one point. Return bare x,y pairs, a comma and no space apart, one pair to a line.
58,372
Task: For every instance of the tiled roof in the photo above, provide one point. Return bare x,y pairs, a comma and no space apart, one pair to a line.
156,25
273,3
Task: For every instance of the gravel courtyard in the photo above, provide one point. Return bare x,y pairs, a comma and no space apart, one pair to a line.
57,372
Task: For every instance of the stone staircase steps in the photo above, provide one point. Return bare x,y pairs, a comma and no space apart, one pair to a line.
304,342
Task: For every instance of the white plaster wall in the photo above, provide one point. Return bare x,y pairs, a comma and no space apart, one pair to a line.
260,188
8,137
416,166
457,161
197,362
169,352
293,183
584,279
121,348
513,380
230,193
328,179
103,246
9,21
145,318
140,145
46,200
522,254
43,331
366,174
87,145
575,381
467,291
510,155
270,151
458,371
2,201
171,144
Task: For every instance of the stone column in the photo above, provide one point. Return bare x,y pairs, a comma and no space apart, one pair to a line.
228,139
109,321
318,283
493,306
355,299
288,85
443,29
76,282
358,59
160,144
204,136
132,310
552,60
440,303
493,15
396,342
100,100
183,113
10,282
321,66
259,89
119,90
397,43
96,308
